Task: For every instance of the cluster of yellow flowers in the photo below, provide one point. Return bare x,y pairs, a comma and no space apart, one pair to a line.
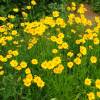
59,41
64,34
24,13
28,80
9,55
52,63
91,95
38,81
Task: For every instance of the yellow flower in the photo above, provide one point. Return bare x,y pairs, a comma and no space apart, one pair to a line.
13,63
93,59
8,56
50,65
41,84
65,45
1,72
29,77
54,51
44,65
1,67
73,8
77,41
11,16
39,81
70,64
58,69
27,84
15,53
91,96
27,71
60,47
82,9
36,79
15,10
26,80
15,42
61,35
87,81
53,38
73,31
98,94
83,50
23,64
79,55
73,4
34,61
55,13
77,61
68,8
9,38
4,59
33,2
24,14
60,22
10,52
28,7
56,61
97,83
96,41
18,68
70,54
59,41
14,32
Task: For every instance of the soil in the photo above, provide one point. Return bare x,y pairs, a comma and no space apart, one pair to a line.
90,14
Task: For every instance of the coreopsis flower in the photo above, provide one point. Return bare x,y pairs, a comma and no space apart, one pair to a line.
83,50
91,96
13,63
15,53
33,2
23,64
55,13
96,41
70,65
58,69
34,61
1,72
53,38
28,80
73,4
44,65
97,83
98,94
40,83
93,59
16,10
68,8
77,60
61,35
28,7
65,45
18,68
54,51
14,32
70,54
27,71
87,81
